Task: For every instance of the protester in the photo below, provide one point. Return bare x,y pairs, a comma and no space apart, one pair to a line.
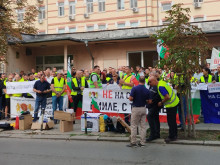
139,95
115,79
207,77
78,84
58,87
95,81
170,100
48,76
153,111
18,79
41,87
217,75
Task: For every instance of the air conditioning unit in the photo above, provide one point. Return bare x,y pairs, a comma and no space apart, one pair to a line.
197,5
135,10
40,0
86,15
18,1
40,21
71,17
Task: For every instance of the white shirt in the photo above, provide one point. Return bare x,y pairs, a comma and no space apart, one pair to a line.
49,79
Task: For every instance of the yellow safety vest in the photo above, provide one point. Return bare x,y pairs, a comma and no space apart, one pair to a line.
174,100
6,96
202,79
127,79
64,93
98,81
83,84
58,85
18,94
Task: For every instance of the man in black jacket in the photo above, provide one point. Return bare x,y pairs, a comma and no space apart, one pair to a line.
153,114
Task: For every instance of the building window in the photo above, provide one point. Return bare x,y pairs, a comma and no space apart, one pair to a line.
72,8
165,22
72,29
89,6
41,32
102,27
90,28
121,25
20,13
121,4
134,24
101,5
61,9
41,13
166,6
198,19
61,30
198,1
133,3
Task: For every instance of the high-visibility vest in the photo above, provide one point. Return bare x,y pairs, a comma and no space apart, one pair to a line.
193,79
202,79
64,93
18,94
58,85
108,79
146,79
6,96
83,84
174,100
98,81
127,79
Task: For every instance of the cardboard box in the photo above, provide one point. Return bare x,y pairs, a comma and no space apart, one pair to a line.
25,123
65,116
46,126
92,122
66,126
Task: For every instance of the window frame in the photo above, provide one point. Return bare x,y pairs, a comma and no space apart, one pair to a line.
61,9
42,13
194,19
20,14
198,1
89,6
61,29
120,4
101,5
133,4
162,6
90,26
103,25
72,28
118,24
72,8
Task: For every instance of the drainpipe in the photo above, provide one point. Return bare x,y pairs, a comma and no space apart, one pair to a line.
89,51
146,11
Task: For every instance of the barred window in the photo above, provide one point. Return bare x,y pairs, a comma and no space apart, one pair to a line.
89,6
72,8
61,9
101,5
121,4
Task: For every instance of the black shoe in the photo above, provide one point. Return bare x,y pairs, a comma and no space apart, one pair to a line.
179,126
150,139
168,140
132,145
141,145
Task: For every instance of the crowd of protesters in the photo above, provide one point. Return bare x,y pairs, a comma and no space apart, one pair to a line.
53,83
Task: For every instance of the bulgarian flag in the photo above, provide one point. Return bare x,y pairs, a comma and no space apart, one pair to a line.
95,107
162,49
69,79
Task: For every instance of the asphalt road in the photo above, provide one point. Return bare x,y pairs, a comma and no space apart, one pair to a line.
56,152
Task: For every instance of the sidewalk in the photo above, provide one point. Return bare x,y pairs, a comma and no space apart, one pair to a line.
77,134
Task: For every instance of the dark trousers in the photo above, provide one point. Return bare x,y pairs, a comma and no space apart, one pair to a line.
76,100
40,101
171,120
154,122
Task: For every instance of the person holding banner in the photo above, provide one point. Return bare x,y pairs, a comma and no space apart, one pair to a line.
95,81
18,79
170,100
78,84
207,77
7,97
41,87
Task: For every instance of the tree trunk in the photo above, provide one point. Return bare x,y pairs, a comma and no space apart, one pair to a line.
182,112
188,113
191,112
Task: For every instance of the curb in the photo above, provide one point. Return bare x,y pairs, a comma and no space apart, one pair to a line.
109,139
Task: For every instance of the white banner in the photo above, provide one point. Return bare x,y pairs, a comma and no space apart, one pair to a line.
21,104
19,87
114,101
215,59
214,87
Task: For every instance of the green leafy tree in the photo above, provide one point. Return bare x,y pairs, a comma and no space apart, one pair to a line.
187,46
13,25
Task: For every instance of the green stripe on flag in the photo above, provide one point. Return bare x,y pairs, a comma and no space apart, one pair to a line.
94,103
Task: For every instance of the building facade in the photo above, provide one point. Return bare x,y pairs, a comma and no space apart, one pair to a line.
104,48
70,16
